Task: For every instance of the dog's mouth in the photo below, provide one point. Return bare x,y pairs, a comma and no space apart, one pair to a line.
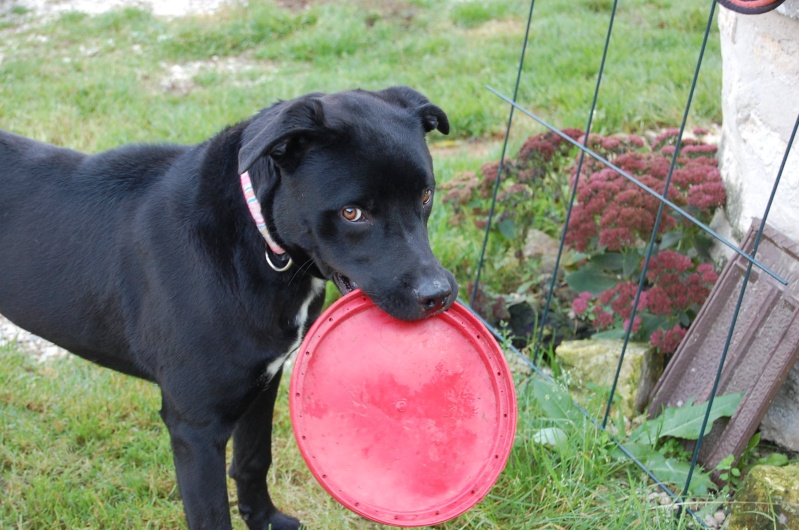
344,284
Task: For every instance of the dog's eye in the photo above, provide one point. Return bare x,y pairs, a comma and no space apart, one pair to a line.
352,214
428,196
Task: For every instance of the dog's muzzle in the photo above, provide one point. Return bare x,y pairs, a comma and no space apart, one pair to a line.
429,297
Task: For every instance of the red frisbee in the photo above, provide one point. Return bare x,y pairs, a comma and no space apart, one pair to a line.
404,423
751,7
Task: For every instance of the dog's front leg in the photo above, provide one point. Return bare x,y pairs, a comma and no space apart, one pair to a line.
252,456
199,453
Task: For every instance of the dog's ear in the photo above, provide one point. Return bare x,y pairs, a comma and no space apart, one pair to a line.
432,116
275,131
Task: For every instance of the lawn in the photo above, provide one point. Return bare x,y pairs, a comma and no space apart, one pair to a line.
82,447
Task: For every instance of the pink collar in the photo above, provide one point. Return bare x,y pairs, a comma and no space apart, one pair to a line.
255,211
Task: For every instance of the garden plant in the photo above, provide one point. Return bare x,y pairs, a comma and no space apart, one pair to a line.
608,230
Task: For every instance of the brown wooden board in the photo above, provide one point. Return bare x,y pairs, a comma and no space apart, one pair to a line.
764,347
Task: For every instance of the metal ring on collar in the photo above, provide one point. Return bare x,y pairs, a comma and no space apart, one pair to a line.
275,268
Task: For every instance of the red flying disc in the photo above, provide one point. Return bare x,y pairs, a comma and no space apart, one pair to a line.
404,423
751,7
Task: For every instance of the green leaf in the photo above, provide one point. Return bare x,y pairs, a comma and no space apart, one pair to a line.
641,452
554,400
669,240
650,323
632,260
524,287
703,245
609,261
507,227
591,280
675,471
572,257
669,470
610,334
726,463
551,436
774,459
686,422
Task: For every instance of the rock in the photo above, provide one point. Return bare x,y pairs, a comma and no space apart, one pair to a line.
595,361
781,422
11,335
539,245
767,499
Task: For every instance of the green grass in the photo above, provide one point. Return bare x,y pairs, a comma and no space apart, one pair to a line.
82,447
92,82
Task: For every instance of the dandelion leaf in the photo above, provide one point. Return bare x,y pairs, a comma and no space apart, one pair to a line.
554,400
686,422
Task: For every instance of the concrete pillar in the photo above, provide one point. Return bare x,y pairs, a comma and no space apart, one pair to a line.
760,103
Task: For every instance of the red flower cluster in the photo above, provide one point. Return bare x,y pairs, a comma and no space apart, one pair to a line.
580,304
614,213
543,147
619,298
667,341
674,287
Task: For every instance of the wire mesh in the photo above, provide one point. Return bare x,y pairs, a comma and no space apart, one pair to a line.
664,203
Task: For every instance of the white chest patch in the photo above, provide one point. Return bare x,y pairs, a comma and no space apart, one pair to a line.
317,286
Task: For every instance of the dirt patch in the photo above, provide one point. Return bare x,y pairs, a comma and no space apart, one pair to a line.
477,147
498,27
182,78
166,8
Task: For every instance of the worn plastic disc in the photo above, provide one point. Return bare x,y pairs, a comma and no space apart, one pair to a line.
404,423
751,7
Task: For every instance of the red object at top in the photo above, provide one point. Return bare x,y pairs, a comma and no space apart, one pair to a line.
751,7
404,423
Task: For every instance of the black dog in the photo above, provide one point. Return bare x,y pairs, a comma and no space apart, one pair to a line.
147,260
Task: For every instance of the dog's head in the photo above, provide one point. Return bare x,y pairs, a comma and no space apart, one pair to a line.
347,180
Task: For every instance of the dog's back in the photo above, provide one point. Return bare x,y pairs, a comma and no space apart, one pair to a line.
65,217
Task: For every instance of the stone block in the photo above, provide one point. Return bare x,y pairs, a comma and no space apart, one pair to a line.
767,500
781,422
596,361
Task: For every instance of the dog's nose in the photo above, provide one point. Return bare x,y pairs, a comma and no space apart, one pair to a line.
433,296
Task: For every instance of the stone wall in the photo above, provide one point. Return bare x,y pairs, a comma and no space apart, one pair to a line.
760,103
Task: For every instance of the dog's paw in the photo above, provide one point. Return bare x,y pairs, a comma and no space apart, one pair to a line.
281,521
